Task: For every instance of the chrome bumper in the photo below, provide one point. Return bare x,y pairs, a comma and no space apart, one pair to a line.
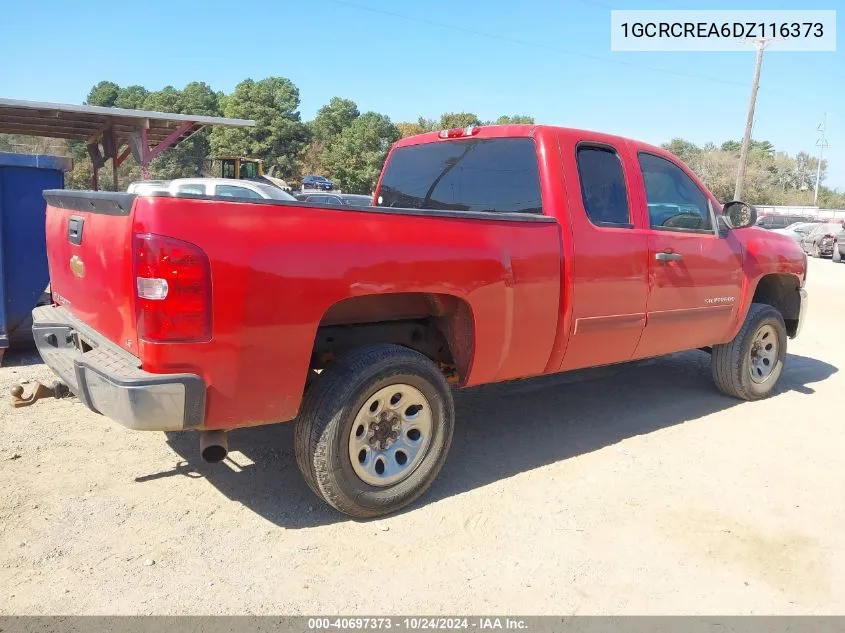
108,380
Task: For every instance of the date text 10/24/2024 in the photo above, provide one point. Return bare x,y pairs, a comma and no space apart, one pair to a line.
418,624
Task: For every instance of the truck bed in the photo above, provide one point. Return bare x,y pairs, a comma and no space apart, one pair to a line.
280,270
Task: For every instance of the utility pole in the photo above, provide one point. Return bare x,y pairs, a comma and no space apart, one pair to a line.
821,143
761,44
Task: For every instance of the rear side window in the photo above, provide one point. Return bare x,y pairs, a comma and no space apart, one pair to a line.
675,203
197,189
494,175
603,186
230,191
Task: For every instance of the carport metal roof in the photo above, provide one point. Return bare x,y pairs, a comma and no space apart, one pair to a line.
145,133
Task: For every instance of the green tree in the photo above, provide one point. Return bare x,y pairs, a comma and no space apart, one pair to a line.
279,135
451,120
356,158
192,156
764,147
132,97
168,99
330,121
428,125
333,118
104,93
198,98
683,149
732,146
516,118
420,126
407,128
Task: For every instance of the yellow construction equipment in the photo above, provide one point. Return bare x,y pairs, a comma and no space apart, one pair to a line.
240,167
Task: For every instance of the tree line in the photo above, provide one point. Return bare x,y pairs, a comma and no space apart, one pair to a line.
772,177
349,146
341,142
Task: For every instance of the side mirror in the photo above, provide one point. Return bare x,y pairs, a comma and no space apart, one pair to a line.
739,215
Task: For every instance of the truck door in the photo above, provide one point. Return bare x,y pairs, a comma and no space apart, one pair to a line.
695,274
609,278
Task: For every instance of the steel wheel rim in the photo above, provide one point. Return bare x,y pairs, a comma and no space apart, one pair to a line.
390,435
763,355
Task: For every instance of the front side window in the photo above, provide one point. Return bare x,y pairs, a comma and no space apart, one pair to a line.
497,175
230,191
194,188
675,203
603,186
228,170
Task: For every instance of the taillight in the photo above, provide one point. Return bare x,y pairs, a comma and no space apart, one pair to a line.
458,132
173,290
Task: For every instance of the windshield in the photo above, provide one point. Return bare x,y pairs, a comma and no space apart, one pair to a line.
494,175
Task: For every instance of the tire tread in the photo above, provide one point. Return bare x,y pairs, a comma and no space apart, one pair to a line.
727,359
325,402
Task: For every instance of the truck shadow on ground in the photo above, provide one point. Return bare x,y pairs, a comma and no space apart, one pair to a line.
501,430
20,357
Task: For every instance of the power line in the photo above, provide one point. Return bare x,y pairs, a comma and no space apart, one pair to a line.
672,5
537,45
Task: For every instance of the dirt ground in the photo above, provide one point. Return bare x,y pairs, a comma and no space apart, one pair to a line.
641,492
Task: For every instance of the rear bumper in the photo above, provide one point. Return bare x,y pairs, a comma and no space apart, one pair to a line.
108,380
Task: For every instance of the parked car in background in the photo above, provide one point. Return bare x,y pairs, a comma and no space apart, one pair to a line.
778,221
317,182
227,188
819,241
839,244
350,199
797,230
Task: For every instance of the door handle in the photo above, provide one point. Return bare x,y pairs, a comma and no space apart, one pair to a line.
74,230
668,257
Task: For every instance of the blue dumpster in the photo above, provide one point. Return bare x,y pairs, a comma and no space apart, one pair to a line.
23,252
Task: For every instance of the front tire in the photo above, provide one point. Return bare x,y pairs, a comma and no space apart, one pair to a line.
750,365
374,430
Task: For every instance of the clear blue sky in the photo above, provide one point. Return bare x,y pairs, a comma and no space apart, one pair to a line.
550,59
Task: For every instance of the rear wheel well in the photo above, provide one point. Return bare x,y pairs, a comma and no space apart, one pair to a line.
438,326
781,292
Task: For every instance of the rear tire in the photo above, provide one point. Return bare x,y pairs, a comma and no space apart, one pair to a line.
336,423
746,368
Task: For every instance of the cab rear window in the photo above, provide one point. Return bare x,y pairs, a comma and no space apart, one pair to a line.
493,175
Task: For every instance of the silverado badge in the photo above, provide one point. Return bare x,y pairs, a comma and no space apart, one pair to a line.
77,266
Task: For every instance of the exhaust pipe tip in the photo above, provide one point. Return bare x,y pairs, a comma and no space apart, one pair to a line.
214,446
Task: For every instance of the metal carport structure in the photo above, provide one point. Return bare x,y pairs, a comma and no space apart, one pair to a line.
110,133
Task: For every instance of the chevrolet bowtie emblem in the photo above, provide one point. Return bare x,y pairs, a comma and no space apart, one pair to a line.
77,266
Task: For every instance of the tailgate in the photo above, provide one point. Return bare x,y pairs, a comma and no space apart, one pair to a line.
89,249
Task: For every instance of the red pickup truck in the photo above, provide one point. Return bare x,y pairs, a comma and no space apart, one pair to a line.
490,254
